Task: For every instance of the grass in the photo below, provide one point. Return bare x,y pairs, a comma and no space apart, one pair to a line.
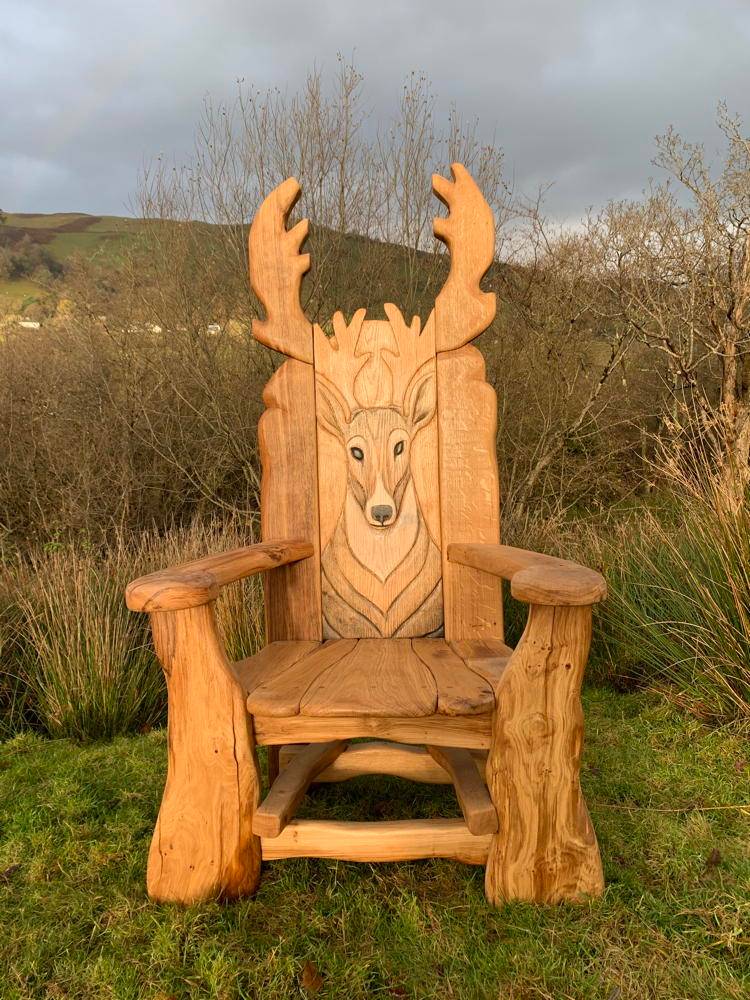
90,233
92,236
87,243
15,295
678,615
73,660
42,220
674,922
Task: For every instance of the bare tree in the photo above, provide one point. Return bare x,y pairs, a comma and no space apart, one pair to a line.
366,192
680,274
180,310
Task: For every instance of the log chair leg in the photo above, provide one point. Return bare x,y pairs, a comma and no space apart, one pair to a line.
203,847
272,758
546,849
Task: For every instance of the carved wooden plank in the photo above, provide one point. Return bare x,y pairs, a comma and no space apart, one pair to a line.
486,657
469,491
392,759
272,764
270,662
460,691
394,840
377,465
379,677
534,577
280,694
472,731
471,790
203,846
462,309
290,786
198,582
547,849
289,501
276,270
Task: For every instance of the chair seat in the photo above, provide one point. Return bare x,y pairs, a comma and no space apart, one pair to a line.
395,678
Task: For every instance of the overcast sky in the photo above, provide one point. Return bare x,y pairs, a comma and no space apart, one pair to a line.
573,90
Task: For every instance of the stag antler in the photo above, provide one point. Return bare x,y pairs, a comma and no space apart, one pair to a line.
462,309
276,269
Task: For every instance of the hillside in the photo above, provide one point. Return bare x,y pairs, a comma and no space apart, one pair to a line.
62,234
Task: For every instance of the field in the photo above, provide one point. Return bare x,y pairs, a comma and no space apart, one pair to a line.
63,234
128,442
674,922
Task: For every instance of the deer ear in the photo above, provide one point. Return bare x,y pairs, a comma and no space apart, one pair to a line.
420,399
332,410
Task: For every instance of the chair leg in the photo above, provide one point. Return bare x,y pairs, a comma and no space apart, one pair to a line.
546,849
272,763
203,846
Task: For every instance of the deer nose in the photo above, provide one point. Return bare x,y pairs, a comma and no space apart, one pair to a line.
382,512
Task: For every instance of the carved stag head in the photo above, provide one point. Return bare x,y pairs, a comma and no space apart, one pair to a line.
377,442
375,379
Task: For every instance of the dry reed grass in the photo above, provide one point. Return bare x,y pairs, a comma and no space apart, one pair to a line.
76,662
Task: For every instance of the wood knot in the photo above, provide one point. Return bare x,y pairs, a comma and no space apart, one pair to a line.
536,728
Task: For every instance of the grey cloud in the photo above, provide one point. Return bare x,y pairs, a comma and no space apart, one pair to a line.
574,91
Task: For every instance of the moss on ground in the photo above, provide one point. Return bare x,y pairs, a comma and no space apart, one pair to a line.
674,921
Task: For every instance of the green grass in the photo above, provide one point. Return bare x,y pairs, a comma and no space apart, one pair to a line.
14,295
73,660
50,220
97,234
674,922
678,614
87,244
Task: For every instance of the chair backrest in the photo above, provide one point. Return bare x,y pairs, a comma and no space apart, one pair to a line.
378,443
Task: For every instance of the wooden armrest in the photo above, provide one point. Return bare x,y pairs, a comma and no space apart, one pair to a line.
534,578
198,582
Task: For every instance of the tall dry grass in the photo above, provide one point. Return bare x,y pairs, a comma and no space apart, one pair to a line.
76,662
678,614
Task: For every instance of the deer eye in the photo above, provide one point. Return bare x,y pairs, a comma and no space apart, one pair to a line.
358,454
398,450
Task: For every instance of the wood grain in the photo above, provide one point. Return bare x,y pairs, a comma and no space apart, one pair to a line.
270,662
378,677
276,268
486,657
198,582
547,849
290,786
377,462
289,501
471,791
469,492
462,309
471,731
534,577
280,694
273,755
392,759
460,691
203,846
394,840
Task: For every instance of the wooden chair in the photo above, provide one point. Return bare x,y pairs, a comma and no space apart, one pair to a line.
382,568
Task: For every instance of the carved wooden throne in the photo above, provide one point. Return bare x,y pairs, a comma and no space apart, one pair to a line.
383,568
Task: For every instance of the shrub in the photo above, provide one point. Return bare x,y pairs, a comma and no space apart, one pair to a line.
678,614
77,663
86,662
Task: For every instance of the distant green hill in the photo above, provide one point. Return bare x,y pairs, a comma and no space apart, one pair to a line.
62,234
